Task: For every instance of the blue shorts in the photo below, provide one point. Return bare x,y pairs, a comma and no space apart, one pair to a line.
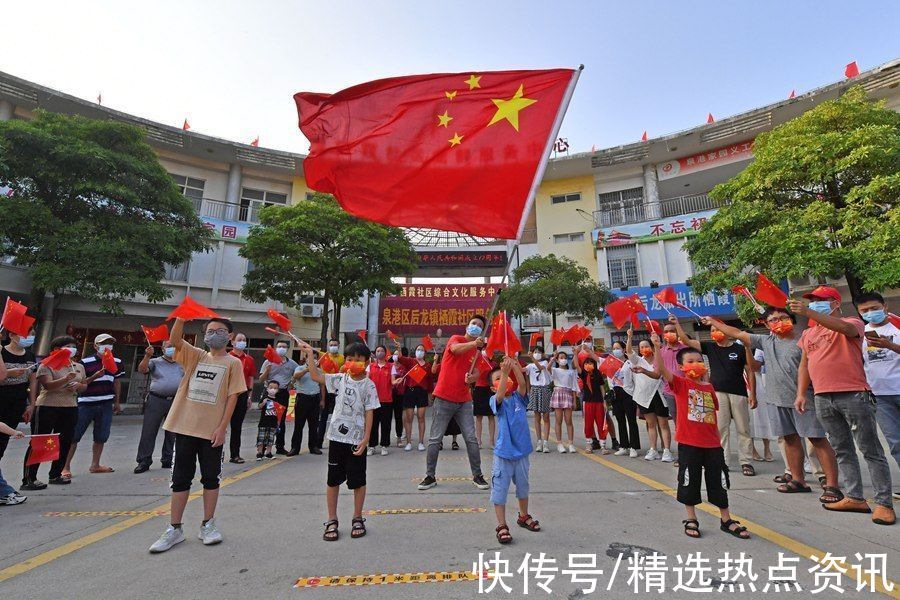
98,413
504,472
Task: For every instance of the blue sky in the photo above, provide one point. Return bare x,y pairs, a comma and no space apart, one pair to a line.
231,67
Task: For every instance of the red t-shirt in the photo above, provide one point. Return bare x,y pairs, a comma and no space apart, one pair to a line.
697,404
835,362
451,385
248,365
381,376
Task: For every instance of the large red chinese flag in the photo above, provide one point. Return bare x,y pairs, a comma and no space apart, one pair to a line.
15,318
768,292
156,334
44,448
451,151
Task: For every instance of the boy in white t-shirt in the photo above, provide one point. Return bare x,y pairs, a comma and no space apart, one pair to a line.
351,425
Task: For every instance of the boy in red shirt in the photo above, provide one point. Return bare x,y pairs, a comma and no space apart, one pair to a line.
699,445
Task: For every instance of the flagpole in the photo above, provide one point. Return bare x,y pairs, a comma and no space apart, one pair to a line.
545,158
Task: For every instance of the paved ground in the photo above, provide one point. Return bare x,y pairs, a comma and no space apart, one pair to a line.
271,514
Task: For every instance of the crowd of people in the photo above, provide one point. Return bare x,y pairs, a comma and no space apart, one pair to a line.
823,392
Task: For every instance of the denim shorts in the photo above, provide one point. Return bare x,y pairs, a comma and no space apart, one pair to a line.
98,413
504,472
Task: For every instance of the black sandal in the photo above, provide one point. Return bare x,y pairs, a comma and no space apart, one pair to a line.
331,531
455,445
691,525
237,460
503,534
793,487
358,528
528,522
830,495
737,531
748,470
783,478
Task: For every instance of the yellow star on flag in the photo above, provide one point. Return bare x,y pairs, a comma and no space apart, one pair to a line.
456,140
509,109
473,81
450,95
444,119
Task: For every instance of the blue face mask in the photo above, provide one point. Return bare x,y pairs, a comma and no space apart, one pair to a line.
169,352
873,316
474,330
618,353
26,342
820,306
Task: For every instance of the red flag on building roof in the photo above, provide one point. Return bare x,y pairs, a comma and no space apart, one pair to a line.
427,343
710,119
793,95
190,309
57,359
536,339
43,448
362,335
109,363
644,137
16,319
471,143
851,70
186,125
272,356
502,337
610,366
768,292
156,334
417,373
255,142
279,319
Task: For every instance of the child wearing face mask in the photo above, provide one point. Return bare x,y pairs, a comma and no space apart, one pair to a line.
647,396
268,420
565,386
594,394
700,453
539,394
624,407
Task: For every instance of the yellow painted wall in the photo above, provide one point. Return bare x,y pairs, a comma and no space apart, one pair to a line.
553,219
299,190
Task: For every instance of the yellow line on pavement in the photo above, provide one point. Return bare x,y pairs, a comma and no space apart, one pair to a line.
82,542
439,479
422,511
382,579
108,513
779,539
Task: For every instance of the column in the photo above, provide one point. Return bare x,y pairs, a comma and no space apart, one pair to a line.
46,324
372,316
651,193
233,191
217,274
6,110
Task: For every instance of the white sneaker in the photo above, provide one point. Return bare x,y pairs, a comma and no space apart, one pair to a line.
407,447
384,451
421,447
667,456
621,452
632,453
546,447
370,451
807,466
652,454
12,499
589,447
560,448
209,533
171,537
572,448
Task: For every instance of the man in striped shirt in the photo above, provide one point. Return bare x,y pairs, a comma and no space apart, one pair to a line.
97,404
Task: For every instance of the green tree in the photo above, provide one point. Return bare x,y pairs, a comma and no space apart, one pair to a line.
820,199
92,211
316,247
555,285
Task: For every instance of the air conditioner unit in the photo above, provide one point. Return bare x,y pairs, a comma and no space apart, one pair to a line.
311,311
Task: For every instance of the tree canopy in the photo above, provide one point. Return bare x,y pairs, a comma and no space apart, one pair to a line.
316,247
820,198
555,285
92,212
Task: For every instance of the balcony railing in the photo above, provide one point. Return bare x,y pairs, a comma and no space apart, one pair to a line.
634,211
247,211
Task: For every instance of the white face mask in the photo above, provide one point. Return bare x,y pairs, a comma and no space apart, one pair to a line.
333,349
397,357
420,354
240,345
563,362
72,351
281,350
538,356
102,349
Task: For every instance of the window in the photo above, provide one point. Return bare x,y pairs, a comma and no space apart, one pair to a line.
254,200
623,206
622,264
564,238
562,198
177,272
188,186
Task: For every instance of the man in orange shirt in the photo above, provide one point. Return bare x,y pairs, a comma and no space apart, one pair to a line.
832,360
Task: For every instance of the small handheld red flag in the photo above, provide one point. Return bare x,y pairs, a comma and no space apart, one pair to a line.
57,359
894,319
535,339
44,448
623,309
109,363
279,411
417,374
156,334
272,356
327,365
667,296
190,309
851,70
427,343
556,336
654,327
482,363
280,320
502,337
15,318
362,335
610,366
768,292
391,335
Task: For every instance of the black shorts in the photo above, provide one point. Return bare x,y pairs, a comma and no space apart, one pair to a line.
189,451
481,402
415,397
695,464
343,466
657,407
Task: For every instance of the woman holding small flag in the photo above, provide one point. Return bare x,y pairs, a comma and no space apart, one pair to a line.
18,387
647,397
415,397
624,408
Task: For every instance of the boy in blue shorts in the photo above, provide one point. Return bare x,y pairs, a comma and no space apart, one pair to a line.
513,446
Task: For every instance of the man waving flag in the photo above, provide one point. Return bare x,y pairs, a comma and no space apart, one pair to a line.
452,151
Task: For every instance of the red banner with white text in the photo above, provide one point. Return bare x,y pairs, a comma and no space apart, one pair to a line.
423,308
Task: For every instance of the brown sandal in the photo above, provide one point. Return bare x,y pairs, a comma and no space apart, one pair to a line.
528,522
830,495
503,535
331,531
